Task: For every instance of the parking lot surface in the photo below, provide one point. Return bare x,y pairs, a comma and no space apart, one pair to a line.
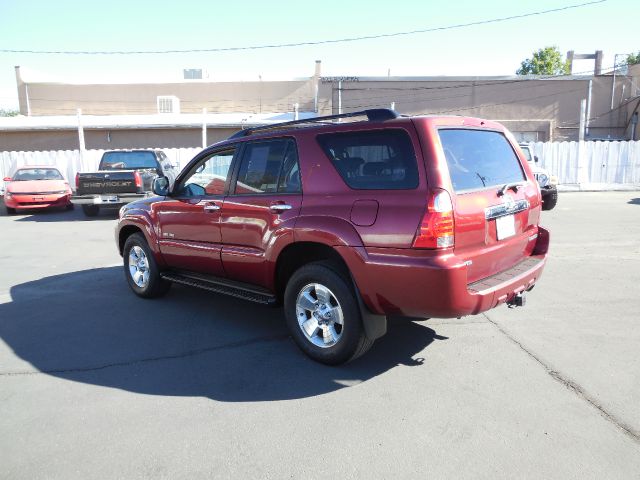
97,383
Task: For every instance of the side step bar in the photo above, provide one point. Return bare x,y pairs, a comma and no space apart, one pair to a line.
220,285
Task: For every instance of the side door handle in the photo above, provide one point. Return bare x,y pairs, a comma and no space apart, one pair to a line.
211,207
280,207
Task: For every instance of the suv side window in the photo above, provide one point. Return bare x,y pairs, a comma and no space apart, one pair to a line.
209,176
269,166
372,160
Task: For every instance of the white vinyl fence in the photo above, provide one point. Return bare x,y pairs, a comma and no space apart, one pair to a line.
579,165
591,165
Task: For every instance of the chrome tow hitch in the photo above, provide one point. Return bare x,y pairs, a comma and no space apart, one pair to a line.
518,300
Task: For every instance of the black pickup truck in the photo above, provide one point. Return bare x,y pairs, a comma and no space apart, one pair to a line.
122,177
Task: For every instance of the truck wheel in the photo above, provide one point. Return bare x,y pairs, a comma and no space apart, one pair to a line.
323,316
141,269
550,201
90,210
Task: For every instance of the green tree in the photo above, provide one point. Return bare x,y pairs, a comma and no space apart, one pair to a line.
8,113
546,61
633,58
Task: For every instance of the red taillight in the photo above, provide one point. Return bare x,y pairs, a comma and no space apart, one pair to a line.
77,181
138,179
437,227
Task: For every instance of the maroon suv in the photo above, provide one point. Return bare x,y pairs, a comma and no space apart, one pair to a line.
345,223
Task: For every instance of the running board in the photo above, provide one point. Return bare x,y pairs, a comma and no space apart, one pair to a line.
220,285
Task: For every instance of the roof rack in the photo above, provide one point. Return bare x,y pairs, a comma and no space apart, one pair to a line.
373,115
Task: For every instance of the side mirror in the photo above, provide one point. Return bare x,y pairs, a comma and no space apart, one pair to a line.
7,179
161,186
535,158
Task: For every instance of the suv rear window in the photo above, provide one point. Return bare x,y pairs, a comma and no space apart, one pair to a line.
479,159
382,159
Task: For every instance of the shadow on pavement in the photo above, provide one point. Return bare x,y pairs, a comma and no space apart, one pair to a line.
88,327
634,201
61,215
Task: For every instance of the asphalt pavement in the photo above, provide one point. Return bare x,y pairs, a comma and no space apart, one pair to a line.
97,383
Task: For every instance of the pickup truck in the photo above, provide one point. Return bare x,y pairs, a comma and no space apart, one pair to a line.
122,177
548,183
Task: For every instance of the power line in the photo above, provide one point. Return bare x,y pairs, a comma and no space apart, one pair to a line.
300,44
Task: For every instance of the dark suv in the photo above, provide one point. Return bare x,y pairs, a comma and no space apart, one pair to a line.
345,223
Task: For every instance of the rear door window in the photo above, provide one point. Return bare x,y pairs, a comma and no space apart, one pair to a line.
269,166
479,159
373,160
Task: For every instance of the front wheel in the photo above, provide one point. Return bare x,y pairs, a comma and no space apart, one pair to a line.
141,269
10,211
323,316
550,201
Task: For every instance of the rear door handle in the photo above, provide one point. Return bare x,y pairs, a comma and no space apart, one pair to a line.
280,207
211,207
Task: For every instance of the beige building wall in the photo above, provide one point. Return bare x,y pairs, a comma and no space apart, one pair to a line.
550,108
533,108
45,98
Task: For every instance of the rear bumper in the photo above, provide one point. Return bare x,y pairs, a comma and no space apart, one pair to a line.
106,200
28,202
414,285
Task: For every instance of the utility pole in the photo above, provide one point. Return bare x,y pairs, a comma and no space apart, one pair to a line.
80,135
588,116
583,110
204,128
339,98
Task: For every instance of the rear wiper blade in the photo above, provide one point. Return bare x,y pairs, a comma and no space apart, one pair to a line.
509,186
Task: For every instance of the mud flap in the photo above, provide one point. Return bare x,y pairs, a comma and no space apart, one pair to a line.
375,326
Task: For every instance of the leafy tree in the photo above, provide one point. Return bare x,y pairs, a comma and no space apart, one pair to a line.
546,61
633,58
8,113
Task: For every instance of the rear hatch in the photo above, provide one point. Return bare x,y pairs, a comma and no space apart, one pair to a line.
495,205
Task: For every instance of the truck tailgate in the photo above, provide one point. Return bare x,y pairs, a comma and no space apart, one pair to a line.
115,182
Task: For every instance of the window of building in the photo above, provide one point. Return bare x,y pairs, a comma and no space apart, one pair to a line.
168,104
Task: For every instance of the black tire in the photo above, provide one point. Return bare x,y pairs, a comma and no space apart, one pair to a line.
352,341
550,201
155,285
91,210
10,211
70,206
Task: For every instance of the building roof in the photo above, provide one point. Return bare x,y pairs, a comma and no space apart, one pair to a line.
162,120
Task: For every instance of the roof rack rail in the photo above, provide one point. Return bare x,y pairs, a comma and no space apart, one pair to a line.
373,115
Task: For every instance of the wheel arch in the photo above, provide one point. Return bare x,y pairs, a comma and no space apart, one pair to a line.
298,254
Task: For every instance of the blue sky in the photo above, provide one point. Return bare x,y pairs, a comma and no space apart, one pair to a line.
494,49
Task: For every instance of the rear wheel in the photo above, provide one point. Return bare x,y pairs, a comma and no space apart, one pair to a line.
91,210
141,269
323,315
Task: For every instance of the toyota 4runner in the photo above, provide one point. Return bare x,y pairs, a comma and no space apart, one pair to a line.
345,223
